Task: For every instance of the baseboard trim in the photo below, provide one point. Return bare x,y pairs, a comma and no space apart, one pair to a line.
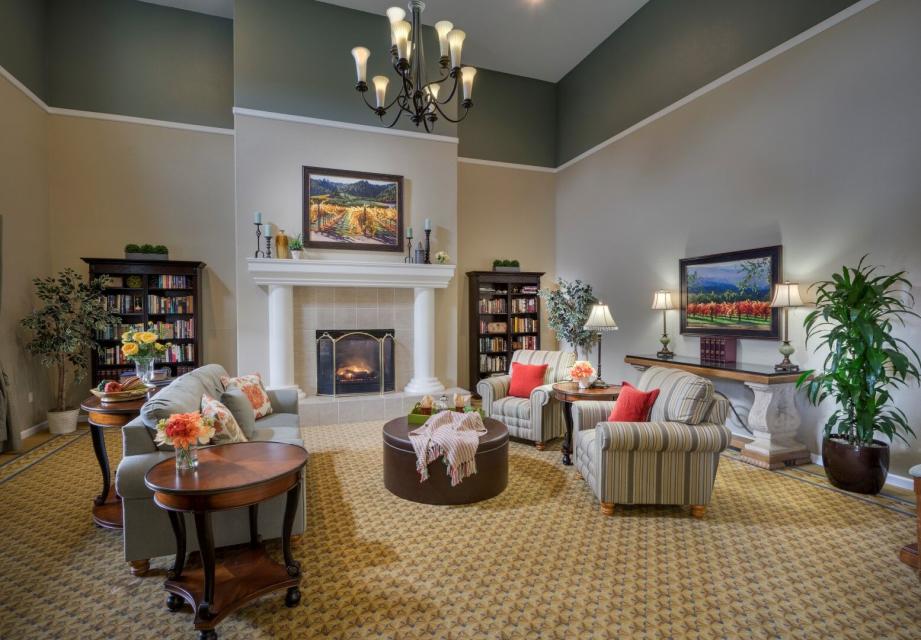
43,426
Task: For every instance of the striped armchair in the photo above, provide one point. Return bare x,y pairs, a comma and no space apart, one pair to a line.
538,418
670,460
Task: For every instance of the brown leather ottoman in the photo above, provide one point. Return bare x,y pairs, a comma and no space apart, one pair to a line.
401,479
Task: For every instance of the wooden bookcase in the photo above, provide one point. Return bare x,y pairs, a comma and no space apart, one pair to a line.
497,297
176,285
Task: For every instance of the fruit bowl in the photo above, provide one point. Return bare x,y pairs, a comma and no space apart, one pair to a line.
112,391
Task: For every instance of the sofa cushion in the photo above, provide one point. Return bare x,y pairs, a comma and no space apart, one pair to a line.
183,395
512,407
683,397
276,420
238,404
226,427
632,404
252,388
129,477
526,378
291,435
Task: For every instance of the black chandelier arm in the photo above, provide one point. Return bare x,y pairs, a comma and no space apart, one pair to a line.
466,106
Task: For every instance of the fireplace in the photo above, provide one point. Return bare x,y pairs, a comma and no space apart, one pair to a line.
355,361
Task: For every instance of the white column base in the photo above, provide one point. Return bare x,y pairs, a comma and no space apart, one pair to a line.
425,386
773,420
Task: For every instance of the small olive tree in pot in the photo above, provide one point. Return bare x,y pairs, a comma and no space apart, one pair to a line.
63,331
854,317
568,307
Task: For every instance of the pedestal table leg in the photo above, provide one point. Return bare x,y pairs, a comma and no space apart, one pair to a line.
102,457
773,420
293,596
206,548
567,439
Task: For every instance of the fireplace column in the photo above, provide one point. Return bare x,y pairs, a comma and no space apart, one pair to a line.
424,380
281,336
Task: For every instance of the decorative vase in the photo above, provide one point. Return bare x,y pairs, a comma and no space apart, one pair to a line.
186,458
855,467
281,245
585,383
144,369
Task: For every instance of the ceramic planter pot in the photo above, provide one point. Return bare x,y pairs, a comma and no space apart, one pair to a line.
146,256
507,269
857,468
297,254
60,422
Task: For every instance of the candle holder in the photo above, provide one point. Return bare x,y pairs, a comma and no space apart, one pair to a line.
259,252
409,250
268,246
428,246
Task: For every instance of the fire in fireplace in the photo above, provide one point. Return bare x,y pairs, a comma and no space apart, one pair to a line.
355,361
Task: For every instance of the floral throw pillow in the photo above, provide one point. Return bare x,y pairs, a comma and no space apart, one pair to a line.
252,388
226,428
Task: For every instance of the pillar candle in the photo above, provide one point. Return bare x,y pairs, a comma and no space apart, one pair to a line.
409,233
258,217
267,229
428,224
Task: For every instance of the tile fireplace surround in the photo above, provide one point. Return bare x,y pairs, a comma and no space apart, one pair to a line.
304,295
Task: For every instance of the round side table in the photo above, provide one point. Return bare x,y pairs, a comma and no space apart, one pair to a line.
107,506
229,476
569,392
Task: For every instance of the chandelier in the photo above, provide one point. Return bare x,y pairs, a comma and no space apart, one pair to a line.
417,96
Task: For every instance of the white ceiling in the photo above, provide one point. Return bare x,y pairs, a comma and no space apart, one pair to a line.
540,39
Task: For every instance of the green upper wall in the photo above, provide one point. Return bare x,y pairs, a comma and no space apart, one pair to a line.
665,51
139,59
22,43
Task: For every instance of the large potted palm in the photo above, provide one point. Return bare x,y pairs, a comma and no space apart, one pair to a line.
854,318
63,331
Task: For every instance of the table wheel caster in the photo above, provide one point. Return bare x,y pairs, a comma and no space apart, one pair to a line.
293,597
173,602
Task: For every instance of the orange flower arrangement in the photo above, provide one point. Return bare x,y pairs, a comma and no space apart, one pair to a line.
182,430
582,369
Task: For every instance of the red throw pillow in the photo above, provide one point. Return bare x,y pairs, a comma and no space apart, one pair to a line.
525,378
633,405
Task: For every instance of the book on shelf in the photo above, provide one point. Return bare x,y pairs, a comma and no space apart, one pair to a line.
124,303
493,344
174,353
524,342
524,305
170,282
115,331
522,325
492,305
493,327
527,289
170,304
493,364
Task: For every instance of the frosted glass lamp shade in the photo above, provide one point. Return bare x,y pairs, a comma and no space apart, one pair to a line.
787,295
600,319
456,45
443,28
394,14
380,89
361,55
401,31
467,76
662,300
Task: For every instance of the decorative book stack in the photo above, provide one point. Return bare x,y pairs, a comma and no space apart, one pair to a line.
718,349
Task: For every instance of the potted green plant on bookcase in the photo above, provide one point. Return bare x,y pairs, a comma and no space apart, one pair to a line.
63,330
854,318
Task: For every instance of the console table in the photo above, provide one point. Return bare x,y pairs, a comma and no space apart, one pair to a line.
773,418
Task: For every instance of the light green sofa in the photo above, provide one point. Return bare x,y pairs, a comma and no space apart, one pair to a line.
147,531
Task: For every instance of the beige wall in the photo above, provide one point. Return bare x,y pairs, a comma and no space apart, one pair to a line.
818,150
502,213
269,157
113,183
25,251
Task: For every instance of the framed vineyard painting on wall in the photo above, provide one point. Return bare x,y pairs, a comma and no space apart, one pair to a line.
730,293
352,210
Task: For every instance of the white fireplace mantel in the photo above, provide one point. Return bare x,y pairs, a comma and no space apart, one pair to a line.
281,276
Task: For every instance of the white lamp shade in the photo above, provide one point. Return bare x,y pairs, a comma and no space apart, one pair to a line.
401,32
361,55
662,300
443,28
600,319
380,89
467,76
787,295
456,45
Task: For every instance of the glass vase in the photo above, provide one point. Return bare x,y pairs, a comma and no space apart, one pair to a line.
144,369
186,458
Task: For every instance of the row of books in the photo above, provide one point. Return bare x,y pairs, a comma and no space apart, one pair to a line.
171,282
493,364
493,327
523,324
492,291
493,344
492,305
125,303
115,331
175,330
173,353
524,305
527,288
170,304
524,342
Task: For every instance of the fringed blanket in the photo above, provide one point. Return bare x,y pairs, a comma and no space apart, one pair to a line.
453,435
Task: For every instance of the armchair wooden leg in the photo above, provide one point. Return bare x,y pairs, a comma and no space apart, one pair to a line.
698,510
607,508
139,567
540,446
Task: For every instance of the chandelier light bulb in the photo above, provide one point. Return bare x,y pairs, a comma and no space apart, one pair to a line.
456,44
361,55
394,14
431,90
380,89
467,76
443,28
401,31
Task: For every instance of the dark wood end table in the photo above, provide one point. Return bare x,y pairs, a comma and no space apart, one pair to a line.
229,476
107,506
569,392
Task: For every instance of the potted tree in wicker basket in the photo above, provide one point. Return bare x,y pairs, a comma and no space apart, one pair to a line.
854,319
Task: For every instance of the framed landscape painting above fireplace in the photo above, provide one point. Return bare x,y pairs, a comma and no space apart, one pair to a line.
352,210
729,294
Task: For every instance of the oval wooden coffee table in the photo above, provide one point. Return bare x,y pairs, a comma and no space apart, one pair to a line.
229,476
569,392
401,478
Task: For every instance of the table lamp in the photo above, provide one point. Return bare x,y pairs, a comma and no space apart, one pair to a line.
786,295
662,300
600,320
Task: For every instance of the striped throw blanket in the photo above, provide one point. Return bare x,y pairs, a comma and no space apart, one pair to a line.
452,435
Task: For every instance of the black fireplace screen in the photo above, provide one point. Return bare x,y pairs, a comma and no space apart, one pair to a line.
354,361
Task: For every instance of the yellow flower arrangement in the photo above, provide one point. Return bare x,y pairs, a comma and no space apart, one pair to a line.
145,337
141,344
130,349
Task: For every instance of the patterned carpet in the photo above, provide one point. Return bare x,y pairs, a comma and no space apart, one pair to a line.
776,557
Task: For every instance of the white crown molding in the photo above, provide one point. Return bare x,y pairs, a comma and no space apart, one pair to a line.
507,165
826,24
287,117
112,117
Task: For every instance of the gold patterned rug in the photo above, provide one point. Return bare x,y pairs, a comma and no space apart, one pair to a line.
776,557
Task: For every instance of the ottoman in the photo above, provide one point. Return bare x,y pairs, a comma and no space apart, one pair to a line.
401,479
